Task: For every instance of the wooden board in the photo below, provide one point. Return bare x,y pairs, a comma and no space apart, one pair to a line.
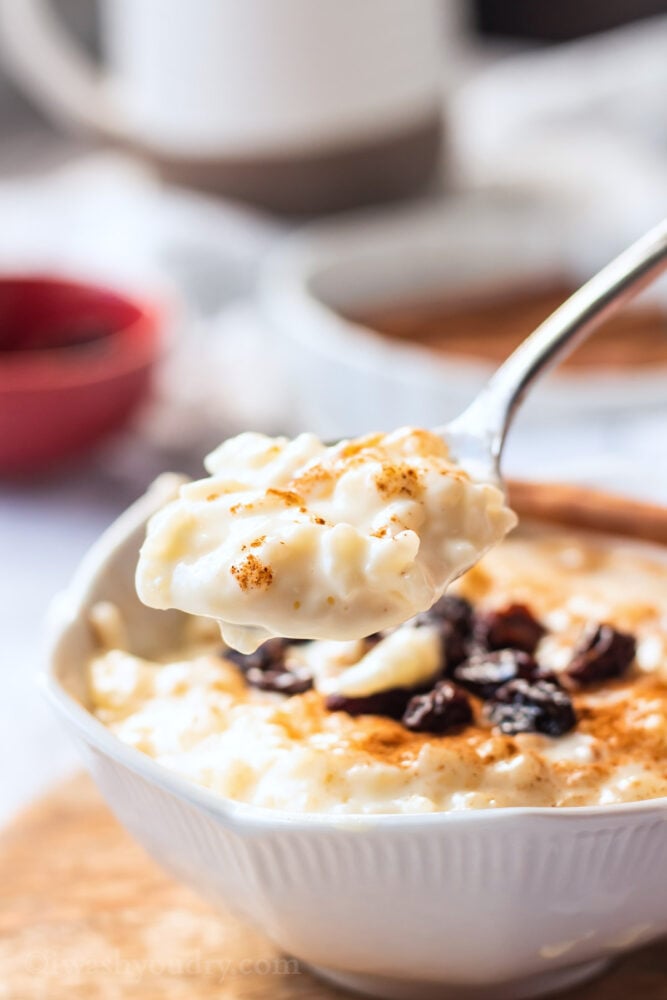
85,915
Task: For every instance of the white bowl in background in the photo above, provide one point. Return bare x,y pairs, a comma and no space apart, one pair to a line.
505,903
350,379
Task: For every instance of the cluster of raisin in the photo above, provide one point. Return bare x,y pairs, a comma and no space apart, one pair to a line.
267,670
488,654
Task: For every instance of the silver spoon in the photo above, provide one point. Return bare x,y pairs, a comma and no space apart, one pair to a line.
477,436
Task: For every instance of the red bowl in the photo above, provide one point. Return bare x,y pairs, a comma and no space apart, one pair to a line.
75,362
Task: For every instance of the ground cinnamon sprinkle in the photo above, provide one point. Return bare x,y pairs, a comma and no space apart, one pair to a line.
398,480
391,743
388,743
313,479
361,444
288,497
619,723
251,574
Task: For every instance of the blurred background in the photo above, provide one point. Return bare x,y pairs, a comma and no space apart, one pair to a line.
277,215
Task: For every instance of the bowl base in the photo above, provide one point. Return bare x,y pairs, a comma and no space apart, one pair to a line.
538,985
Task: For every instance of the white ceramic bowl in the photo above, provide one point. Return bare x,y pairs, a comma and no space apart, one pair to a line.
509,903
350,379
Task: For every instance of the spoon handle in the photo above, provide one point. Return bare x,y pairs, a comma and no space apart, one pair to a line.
490,414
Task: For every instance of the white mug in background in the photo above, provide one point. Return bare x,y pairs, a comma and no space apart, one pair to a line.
297,105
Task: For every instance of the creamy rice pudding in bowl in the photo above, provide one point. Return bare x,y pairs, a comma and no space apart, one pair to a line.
468,804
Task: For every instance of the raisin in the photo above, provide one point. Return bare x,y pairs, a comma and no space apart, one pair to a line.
452,616
603,654
522,706
484,673
455,647
513,627
282,681
266,669
455,610
391,703
372,640
442,709
269,656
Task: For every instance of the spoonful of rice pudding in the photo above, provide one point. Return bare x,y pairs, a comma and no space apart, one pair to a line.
305,540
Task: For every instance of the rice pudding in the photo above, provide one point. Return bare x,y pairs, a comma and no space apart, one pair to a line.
295,538
541,681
